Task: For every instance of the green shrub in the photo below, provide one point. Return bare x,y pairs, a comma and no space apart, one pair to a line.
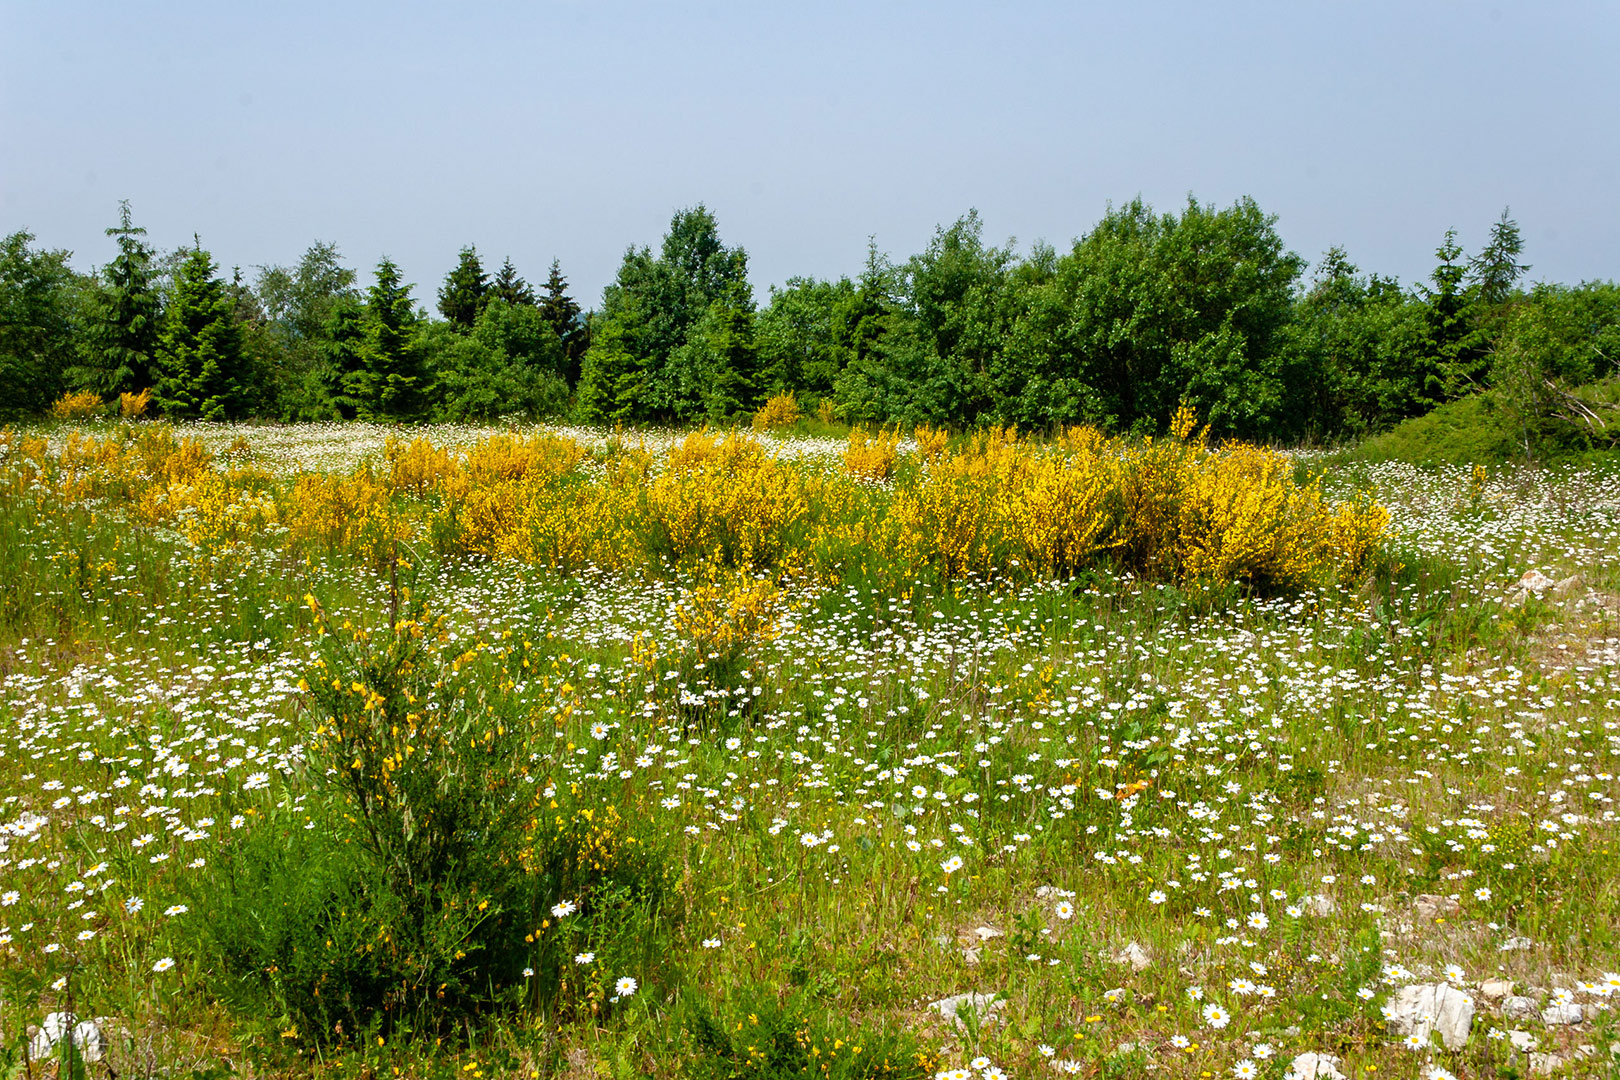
416,874
757,1035
1484,428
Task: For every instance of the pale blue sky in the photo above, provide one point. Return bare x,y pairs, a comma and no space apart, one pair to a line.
573,128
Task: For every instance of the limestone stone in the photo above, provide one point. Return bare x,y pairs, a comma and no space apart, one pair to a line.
1320,906
1429,1008
1534,581
1430,907
1134,955
983,1006
1314,1066
1541,1064
1560,1013
1519,1008
87,1037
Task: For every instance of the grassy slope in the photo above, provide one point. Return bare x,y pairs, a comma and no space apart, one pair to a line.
1479,429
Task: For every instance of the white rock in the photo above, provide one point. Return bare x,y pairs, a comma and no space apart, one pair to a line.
1134,955
1534,581
1429,907
1519,1008
1567,585
1496,989
1561,1012
1522,1041
970,956
1320,906
985,933
1047,892
1313,1066
1544,1063
87,1037
1435,1007
1516,944
984,1006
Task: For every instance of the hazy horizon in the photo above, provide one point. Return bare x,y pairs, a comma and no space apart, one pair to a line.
573,131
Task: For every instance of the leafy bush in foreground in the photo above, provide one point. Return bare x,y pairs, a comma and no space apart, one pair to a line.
758,1035
425,873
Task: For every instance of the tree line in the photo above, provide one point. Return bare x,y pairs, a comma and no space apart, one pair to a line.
1147,310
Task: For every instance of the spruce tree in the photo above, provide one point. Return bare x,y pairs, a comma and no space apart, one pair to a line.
1496,270
465,290
645,360
510,287
342,359
200,363
393,383
566,319
1455,356
121,339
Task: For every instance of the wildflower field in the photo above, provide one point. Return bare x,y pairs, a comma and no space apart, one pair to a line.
340,751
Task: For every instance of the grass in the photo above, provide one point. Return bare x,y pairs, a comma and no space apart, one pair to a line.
1481,429
1252,789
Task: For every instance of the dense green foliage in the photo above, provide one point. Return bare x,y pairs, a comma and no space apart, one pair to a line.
407,893
674,338
39,312
120,337
1203,305
201,366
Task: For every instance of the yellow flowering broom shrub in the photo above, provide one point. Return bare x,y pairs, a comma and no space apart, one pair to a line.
780,411
872,457
998,504
133,406
725,499
80,405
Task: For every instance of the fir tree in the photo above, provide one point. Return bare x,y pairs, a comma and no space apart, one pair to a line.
465,290
392,386
1454,351
1496,270
200,363
342,371
566,319
510,287
122,333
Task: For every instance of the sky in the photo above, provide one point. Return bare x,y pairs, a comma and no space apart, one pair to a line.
573,129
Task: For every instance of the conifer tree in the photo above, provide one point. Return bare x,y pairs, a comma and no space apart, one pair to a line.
342,372
566,319
121,338
1496,270
510,287
1455,355
200,364
465,290
393,384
